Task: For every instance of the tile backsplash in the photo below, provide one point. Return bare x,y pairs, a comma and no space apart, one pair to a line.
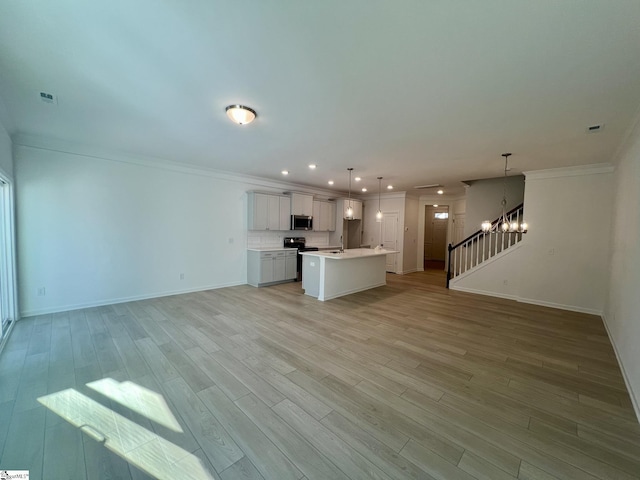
269,238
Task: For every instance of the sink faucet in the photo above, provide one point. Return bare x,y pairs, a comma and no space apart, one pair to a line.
341,245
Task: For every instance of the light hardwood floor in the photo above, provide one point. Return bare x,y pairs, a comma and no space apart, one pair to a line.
404,381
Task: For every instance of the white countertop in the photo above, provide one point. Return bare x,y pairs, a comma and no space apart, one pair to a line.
270,249
326,247
350,253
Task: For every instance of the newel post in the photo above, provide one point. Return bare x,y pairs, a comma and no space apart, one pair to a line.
449,248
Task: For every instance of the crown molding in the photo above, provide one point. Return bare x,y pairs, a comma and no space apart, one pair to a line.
593,169
61,146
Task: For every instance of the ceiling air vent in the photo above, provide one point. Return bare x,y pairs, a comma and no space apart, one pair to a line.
595,128
422,187
48,98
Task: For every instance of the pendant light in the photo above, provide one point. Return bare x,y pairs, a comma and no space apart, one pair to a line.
503,225
379,212
349,212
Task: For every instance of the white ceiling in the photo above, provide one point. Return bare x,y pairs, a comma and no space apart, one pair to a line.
415,91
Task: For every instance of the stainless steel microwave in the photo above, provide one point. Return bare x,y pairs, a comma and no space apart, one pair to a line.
301,222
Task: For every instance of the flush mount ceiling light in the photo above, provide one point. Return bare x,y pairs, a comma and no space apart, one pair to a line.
330,182
313,166
240,114
389,187
285,172
504,224
440,192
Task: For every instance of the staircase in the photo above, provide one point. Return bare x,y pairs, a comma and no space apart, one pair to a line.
481,246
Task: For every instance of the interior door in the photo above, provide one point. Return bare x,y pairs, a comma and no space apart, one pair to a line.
440,222
390,239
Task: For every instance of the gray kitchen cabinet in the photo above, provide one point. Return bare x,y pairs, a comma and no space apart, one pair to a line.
357,208
267,267
324,216
268,212
301,204
291,265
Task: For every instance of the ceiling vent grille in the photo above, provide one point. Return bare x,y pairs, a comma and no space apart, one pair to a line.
49,98
432,185
595,128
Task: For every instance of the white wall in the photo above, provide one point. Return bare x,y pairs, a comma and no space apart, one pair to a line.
562,262
410,240
622,314
94,231
484,199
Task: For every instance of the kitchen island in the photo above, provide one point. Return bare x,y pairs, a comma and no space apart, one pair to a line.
327,275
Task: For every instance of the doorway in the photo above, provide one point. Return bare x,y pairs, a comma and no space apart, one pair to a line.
436,223
8,298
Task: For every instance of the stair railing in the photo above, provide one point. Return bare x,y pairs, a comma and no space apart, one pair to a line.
481,246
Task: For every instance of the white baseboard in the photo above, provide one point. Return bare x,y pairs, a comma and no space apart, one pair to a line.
541,303
561,306
483,292
99,303
404,272
634,399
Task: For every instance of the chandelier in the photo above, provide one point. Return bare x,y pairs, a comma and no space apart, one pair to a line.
503,224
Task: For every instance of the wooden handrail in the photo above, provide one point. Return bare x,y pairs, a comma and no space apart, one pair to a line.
451,248
513,210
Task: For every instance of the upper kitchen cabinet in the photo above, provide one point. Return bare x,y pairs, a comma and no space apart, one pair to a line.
324,216
301,204
268,212
357,208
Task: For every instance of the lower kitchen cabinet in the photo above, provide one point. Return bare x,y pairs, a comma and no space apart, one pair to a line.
266,267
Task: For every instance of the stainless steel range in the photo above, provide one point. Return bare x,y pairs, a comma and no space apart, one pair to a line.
299,243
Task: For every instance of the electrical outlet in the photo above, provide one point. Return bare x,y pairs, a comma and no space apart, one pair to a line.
182,276
42,292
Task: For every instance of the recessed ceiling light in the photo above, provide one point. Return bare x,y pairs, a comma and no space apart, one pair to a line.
330,182
436,205
312,166
240,114
389,187
364,189
357,179
440,192
285,172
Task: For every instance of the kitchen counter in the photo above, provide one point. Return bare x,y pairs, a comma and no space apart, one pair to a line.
349,253
331,274
326,247
269,249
